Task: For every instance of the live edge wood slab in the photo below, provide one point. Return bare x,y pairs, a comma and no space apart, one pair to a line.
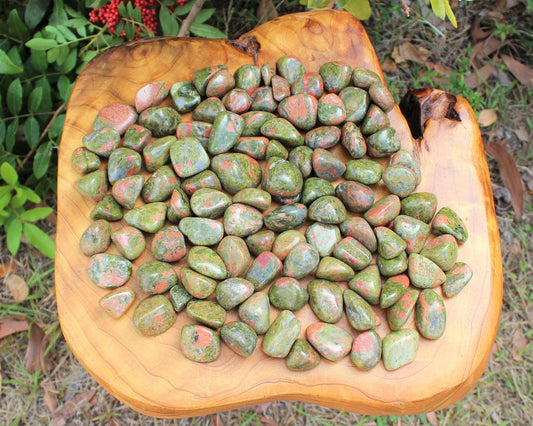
150,374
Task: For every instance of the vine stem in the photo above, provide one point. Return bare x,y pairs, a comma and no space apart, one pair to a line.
185,27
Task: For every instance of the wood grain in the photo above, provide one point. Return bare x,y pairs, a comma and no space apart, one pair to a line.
150,374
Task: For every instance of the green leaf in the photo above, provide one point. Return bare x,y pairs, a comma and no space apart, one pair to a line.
207,31
9,174
204,15
79,24
16,28
10,134
7,66
14,96
317,4
449,13
65,87
182,10
63,54
5,196
41,43
35,11
169,25
69,35
38,60
57,127
30,194
58,16
13,229
2,133
52,55
438,8
137,14
130,30
32,131
41,161
38,213
70,61
39,239
46,103
359,8
35,98
122,9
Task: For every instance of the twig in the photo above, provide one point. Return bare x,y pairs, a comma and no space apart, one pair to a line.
406,8
185,27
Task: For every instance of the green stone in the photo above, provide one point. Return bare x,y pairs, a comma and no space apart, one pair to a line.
331,341
357,197
381,96
367,283
383,211
413,231
390,244
202,231
359,313
300,261
254,146
206,312
327,165
93,185
300,110
399,313
447,221
430,314
255,311
352,252
310,83
364,78
102,142
234,253
260,241
375,120
196,284
392,290
394,266
179,206
301,157
188,157
263,99
333,269
363,171
240,337
331,110
208,109
118,301
253,121
406,159
157,152
366,350
129,241
267,72
383,143
184,95
109,270
209,202
399,180
196,129
336,75
205,179
282,178
151,95
107,208
358,228
247,76
154,315
276,149
206,261
227,129
160,185
199,343
220,83
84,161
352,139
325,299
179,297
302,356
423,272
161,121
148,218
286,217
442,250
254,197
136,137
126,191
96,238
281,335
236,171
288,293
242,220
327,209
202,76
400,348
168,244
280,88
315,188
233,291
282,130
264,269
290,68
156,277
456,279
323,237
356,102
285,242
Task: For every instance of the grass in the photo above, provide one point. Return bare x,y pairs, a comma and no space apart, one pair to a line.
503,395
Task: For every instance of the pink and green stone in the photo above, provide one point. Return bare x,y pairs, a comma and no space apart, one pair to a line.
420,205
152,94
336,75
199,343
206,261
301,261
118,301
314,188
264,269
430,314
188,157
356,102
207,110
325,300
300,110
327,210
209,202
126,191
282,130
179,206
235,254
353,140
219,84
367,283
456,279
196,284
253,120
254,197
290,68
391,292
447,221
383,211
302,157
285,241
84,161
160,120
93,185
160,185
240,337
399,180
242,220
281,335
156,277
260,241
424,273
302,356
168,244
413,231
280,88
129,241
236,171
331,341
262,99
109,270
364,171
286,217
117,116
442,250
310,83
107,208
331,110
324,137
288,293
390,244
136,137
334,269
352,252
227,129
359,313
233,291
205,179
399,313
358,228
255,311
327,165
400,348
148,218
207,312
366,350
383,143
357,197
184,95
374,120
254,146
202,231
96,238
157,152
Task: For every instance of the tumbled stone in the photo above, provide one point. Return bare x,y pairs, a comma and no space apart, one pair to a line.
202,231
168,244
179,206
336,75
399,313
352,139
254,146
300,110
156,277
281,335
196,284
161,121
188,157
367,283
157,152
107,208
327,209
413,231
327,165
206,261
366,350
331,110
381,96
288,293
302,157
359,313
356,102
310,83
424,273
203,75
205,179
209,202
323,137
206,312
96,238
359,228
302,356
179,297
267,72
102,142
254,197
233,291
227,129
260,241
199,343
322,237
282,130
392,290
129,241
300,261
255,311
430,314
219,84
208,109
196,129
390,244
109,270
240,337
154,315
262,99
93,185
148,218
420,205
355,196
383,143
264,269
383,211
352,252
333,269
285,242
152,94
236,171
276,149
118,301
406,159
84,161
247,76
456,279
280,88
375,120
118,116
234,253
331,341
315,188
136,137
160,185
394,266
290,68
242,220
184,95
286,217
442,250
447,221
364,171
325,299
282,178
364,78
253,121
400,348
126,191
399,180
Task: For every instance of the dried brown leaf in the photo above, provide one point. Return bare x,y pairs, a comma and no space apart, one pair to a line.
9,325
487,117
261,408
485,48
475,78
441,69
388,65
266,11
33,352
510,175
215,419
6,270
269,422
50,401
522,134
519,342
70,408
432,418
415,53
17,287
477,32
522,72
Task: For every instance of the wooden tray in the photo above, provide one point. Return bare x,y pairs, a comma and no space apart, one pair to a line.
150,374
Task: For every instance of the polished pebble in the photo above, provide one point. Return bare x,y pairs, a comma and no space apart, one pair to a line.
325,300
155,277
199,343
331,341
109,270
400,348
154,315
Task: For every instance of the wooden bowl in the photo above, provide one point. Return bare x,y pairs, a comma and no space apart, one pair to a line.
150,374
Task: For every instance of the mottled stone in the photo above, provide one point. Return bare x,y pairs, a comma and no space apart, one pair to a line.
323,237
364,78
383,143
282,178
423,272
375,120
356,102
179,206
325,299
381,96
93,185
406,159
267,72
197,129
96,238
367,283
327,165
327,209
300,110
264,269
154,315
260,241
336,75
233,291
400,348
157,152
383,211
355,196
253,121
288,293
202,231
280,88
430,314
208,109
442,250
392,290
420,205
219,84
352,139
255,311
205,179
358,228
109,270
209,202
199,343
366,350
352,252
333,269
126,191
254,197
281,335
206,261
161,121
359,313
310,83
196,284
285,242
206,312
254,146
184,95
302,157
324,137
399,313
247,76
236,171
129,241
456,279
203,75
300,261
315,188
447,221
282,130
302,356
102,142
290,68
118,116
331,110
283,218
390,244
148,218
118,301
107,208
179,297
84,161
150,95
156,277
276,149
160,185
234,253
136,137
188,157
394,266
168,244
331,341
399,180
413,231
242,220
263,99
227,129
240,337
364,171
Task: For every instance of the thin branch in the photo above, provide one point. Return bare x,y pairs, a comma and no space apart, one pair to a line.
186,26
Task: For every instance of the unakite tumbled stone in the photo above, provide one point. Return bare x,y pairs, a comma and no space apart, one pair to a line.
161,121
399,313
363,171
400,348
327,165
300,110
276,149
254,146
430,314
302,157
280,88
188,157
420,205
179,297
300,261
281,335
136,137
168,244
157,152
235,254
227,129
196,284
254,197
199,343
208,109
107,208
325,299
267,72
264,269
282,130
310,83
383,143
364,78
322,137
126,191
154,315
102,142
123,162
263,99
352,139
323,237
242,220
148,218
255,311
129,241
203,75
118,116
240,337
206,312
381,96
233,291
286,241
286,217
209,202
359,312
456,279
314,188
288,293
392,290
219,83
206,261
160,185
366,350
383,211
352,252
184,95
442,250
302,356
413,231
179,206
358,228
447,221
96,238
367,283
93,185
394,266
336,75
84,161
375,120
331,341
399,180
327,209
253,120
197,129
333,269
156,277
247,76
152,94
236,171
331,110
357,197
356,102
282,178
118,301
290,68
423,272
205,179
260,241
406,159
390,244
109,270
202,231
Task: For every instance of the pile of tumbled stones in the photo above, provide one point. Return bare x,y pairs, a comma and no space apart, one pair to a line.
197,191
